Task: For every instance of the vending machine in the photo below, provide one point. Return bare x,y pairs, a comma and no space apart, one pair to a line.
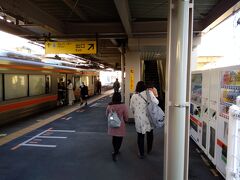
213,91
229,90
204,119
214,87
233,154
195,107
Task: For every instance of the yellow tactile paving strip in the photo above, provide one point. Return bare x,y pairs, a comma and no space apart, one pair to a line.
43,122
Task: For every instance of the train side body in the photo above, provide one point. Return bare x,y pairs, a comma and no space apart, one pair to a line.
28,88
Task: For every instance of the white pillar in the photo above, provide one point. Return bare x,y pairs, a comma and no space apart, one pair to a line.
176,87
122,74
132,63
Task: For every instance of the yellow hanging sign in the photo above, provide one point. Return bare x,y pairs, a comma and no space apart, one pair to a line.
131,79
71,47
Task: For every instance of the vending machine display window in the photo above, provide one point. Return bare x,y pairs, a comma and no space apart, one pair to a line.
230,89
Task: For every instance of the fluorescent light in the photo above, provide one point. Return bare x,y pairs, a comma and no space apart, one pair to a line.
2,18
9,21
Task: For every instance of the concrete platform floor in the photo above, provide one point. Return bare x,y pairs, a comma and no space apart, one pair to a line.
77,147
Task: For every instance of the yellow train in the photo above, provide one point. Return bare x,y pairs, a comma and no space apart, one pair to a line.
29,86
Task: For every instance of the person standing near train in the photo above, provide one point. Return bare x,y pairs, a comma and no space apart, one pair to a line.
71,97
99,87
116,85
84,93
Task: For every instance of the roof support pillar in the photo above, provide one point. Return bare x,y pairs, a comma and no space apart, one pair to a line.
122,73
177,90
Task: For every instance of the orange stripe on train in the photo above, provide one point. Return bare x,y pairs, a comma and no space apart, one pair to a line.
46,69
26,103
34,68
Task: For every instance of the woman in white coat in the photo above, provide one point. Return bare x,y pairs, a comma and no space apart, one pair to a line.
71,96
138,105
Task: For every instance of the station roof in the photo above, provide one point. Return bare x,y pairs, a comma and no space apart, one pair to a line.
111,22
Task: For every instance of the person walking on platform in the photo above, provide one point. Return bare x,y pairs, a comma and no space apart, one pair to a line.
99,87
84,93
116,85
138,105
71,97
117,133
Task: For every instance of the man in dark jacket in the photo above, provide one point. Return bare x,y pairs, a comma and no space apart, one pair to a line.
116,86
84,93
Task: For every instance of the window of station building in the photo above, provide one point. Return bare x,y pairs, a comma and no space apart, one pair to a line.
15,86
48,87
1,88
37,85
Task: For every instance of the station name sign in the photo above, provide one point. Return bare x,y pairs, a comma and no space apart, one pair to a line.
71,47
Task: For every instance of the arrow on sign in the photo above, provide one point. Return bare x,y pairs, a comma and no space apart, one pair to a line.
91,46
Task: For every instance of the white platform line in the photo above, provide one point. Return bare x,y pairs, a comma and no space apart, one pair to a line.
33,137
70,131
69,118
39,145
57,137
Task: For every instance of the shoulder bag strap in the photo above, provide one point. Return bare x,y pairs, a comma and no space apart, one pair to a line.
143,98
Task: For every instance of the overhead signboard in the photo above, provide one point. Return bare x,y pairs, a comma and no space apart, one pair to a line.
71,47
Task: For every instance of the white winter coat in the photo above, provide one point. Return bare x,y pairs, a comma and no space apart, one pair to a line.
71,96
139,109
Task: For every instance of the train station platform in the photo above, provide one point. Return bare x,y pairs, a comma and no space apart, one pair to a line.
73,144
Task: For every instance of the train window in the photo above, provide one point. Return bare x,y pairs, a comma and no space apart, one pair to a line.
85,79
48,87
15,86
1,88
37,84
77,82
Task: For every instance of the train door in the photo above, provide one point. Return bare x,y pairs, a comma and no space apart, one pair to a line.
205,111
77,83
213,111
62,89
195,107
95,84
71,77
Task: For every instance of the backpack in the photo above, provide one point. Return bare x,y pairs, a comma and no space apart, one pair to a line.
155,113
113,120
